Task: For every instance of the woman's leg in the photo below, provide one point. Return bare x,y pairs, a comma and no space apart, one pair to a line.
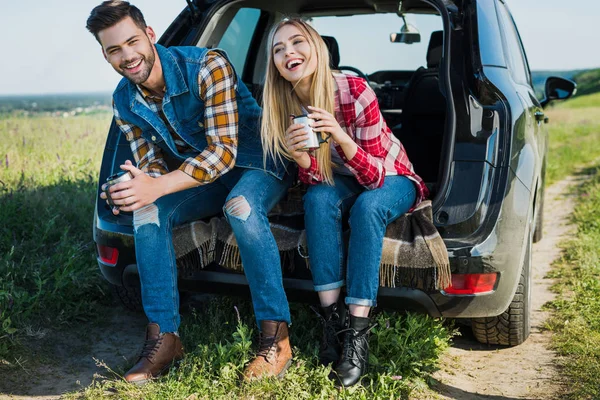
369,217
324,207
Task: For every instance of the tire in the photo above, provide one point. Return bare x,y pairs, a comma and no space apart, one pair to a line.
511,328
130,297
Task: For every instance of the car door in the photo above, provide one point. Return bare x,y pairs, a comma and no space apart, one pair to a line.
530,135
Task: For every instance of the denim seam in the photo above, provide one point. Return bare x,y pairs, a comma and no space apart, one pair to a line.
175,310
413,192
329,286
341,232
174,271
387,216
361,302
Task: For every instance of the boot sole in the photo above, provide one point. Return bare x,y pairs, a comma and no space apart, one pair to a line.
285,368
160,373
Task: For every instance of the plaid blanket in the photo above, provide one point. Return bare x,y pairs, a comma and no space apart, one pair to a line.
413,255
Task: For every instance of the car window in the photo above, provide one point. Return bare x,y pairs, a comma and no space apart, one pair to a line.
515,54
236,39
490,40
364,40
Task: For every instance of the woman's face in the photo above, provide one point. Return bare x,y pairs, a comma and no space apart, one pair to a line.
293,55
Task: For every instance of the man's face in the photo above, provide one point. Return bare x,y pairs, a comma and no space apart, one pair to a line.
129,49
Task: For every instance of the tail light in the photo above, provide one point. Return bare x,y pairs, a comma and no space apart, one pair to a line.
108,255
466,284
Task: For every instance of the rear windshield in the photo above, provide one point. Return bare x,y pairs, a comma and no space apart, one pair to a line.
364,40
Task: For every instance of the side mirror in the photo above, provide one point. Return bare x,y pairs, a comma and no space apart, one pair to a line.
558,89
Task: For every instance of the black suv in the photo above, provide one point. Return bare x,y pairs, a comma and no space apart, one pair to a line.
469,119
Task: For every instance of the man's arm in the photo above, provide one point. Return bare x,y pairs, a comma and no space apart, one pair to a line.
217,83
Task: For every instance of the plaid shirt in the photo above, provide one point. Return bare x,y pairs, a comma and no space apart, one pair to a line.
379,152
217,83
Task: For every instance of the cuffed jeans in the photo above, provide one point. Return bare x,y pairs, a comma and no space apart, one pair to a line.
370,213
153,227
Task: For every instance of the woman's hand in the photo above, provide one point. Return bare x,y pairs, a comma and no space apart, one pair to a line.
328,124
295,139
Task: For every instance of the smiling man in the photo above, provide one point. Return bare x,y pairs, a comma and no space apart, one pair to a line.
188,103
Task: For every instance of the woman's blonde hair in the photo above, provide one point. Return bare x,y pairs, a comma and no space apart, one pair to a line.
280,99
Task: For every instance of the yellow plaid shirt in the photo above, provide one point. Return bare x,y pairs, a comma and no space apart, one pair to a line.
217,83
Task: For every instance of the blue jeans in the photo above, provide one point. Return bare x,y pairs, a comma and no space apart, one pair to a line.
153,226
370,213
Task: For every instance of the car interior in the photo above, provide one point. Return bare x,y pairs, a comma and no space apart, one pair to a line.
402,68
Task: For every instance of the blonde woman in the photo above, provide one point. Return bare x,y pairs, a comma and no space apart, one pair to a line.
363,170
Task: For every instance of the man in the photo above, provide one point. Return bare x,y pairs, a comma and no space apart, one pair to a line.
188,103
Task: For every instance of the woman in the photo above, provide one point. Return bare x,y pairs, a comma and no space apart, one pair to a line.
363,171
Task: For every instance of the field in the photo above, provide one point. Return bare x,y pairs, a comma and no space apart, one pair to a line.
50,285
576,312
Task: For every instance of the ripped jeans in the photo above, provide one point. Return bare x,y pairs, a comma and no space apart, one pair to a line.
246,196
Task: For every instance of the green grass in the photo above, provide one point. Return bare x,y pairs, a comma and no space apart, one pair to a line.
574,136
575,143
404,348
50,283
576,317
48,276
588,81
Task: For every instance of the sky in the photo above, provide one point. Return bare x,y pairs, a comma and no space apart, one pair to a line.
45,47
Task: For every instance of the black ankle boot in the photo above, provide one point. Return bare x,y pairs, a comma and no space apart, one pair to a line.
355,352
333,318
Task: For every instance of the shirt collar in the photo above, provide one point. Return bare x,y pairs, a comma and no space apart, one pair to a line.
148,95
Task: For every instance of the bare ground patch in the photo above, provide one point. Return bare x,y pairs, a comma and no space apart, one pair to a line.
75,359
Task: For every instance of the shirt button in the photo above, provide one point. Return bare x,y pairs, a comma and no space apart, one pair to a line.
153,138
200,124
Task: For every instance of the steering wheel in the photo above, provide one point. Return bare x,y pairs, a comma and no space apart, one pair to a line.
356,71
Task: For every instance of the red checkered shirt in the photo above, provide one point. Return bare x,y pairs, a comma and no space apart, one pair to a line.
379,152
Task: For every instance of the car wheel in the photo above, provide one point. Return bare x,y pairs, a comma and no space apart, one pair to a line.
130,297
512,327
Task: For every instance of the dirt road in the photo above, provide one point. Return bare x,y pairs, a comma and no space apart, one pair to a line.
472,371
469,370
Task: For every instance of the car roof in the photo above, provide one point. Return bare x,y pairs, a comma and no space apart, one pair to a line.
343,7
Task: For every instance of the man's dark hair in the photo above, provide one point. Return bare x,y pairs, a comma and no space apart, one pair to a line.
110,13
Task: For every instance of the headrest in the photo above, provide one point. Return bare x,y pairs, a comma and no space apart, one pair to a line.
334,51
434,51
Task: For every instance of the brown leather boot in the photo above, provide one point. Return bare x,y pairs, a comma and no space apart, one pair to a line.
160,352
274,352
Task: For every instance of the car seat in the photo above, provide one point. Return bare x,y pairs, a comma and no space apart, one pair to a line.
424,114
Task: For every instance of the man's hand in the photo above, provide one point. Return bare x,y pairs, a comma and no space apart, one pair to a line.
135,193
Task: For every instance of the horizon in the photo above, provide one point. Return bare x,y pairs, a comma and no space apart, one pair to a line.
110,91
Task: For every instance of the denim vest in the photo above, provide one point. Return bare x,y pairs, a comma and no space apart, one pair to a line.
184,109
